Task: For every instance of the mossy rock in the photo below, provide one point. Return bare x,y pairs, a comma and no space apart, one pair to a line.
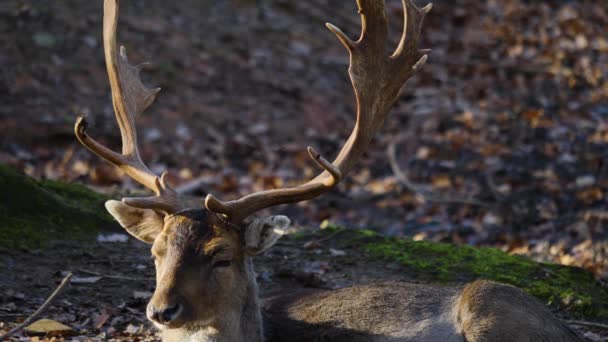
565,288
33,212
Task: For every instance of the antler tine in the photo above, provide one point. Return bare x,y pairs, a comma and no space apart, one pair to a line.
166,200
374,24
377,79
412,26
238,210
407,52
130,98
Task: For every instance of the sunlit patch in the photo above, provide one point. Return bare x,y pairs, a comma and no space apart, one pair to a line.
188,233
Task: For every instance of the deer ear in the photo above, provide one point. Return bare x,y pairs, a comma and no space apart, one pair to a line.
263,233
144,224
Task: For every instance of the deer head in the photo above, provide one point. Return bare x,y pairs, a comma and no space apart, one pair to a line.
202,260
201,250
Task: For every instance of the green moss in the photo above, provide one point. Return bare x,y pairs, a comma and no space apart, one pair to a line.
566,288
33,212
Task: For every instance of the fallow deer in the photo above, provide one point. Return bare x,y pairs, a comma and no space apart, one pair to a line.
206,288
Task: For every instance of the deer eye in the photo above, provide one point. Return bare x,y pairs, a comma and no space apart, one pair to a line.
221,263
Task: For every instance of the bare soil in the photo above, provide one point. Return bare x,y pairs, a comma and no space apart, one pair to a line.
113,281
510,109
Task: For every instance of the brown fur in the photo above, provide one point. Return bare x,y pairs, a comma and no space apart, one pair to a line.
206,288
221,303
489,311
215,300
482,311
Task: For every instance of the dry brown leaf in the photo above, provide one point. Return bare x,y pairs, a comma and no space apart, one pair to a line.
442,182
48,327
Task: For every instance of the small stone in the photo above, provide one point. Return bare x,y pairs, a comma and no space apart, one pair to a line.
10,307
132,329
90,41
336,252
44,39
491,219
584,181
142,294
592,336
111,238
313,244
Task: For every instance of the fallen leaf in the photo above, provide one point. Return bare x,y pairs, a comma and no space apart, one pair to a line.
533,116
48,327
101,320
442,182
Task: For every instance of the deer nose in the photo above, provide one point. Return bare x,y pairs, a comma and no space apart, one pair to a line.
164,315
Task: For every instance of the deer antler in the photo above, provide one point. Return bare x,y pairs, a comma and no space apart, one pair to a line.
377,79
130,98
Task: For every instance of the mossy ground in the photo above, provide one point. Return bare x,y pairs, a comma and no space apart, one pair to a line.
33,212
565,288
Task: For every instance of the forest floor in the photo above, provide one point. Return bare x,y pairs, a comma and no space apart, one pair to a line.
113,282
502,136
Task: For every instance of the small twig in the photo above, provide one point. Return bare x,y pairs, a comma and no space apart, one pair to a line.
331,236
403,178
44,305
118,277
588,324
489,178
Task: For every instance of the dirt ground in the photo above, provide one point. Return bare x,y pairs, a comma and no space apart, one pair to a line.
505,133
504,128
113,281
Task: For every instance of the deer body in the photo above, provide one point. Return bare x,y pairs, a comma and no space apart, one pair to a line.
363,313
400,312
219,302
205,283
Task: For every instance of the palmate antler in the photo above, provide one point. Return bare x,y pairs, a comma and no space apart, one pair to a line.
130,98
377,79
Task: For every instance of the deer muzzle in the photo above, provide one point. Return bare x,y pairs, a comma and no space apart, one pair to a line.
165,315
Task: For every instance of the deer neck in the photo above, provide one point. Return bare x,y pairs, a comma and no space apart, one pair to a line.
241,321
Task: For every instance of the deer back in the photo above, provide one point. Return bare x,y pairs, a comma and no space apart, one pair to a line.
490,311
480,311
377,312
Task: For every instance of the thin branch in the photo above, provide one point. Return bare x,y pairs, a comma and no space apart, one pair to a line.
118,277
489,178
44,305
588,324
331,236
403,178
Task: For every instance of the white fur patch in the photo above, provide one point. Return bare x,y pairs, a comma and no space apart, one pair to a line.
263,233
